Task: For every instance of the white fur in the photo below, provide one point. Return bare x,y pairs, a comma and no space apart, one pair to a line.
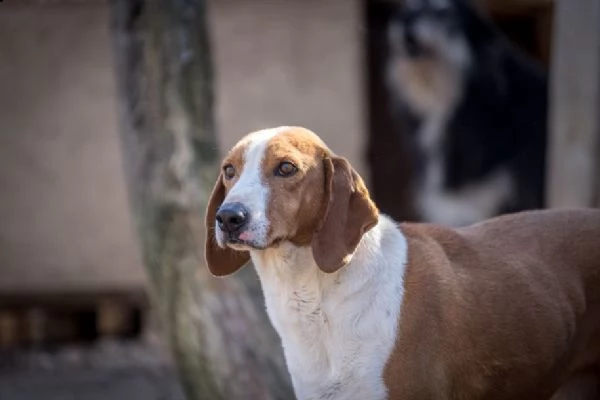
471,203
250,188
338,330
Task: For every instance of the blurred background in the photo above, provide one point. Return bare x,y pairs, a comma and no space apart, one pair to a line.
81,317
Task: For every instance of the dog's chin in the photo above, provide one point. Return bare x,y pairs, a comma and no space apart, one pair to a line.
240,246
243,245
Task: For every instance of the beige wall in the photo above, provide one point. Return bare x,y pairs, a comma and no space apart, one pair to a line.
289,62
63,208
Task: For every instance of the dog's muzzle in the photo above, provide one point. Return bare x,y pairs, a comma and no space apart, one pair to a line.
232,218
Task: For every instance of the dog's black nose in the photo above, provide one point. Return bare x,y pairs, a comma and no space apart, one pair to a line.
232,216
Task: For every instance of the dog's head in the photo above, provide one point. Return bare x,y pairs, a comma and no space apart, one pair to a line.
440,29
433,45
284,184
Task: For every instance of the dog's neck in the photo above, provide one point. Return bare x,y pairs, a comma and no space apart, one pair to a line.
331,324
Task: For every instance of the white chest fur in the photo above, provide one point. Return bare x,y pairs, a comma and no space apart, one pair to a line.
337,330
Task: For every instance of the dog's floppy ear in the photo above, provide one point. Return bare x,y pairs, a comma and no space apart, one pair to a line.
220,261
349,213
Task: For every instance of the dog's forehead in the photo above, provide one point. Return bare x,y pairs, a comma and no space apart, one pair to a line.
277,143
297,140
249,143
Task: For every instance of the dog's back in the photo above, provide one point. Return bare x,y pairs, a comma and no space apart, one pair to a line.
562,238
520,293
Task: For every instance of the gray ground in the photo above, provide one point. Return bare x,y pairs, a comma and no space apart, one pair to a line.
110,370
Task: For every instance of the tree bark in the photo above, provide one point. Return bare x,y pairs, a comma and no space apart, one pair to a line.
222,342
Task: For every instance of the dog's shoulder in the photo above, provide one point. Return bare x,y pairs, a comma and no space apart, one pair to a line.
431,238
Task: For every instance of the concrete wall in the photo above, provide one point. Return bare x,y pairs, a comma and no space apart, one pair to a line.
63,208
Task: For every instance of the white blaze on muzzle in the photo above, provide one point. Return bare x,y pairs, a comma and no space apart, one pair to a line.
251,192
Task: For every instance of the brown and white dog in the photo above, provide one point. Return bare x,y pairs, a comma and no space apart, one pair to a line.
369,309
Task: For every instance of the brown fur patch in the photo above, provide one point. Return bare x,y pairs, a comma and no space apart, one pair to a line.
296,203
325,204
236,158
505,309
350,213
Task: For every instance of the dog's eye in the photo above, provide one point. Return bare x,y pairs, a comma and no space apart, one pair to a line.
228,171
286,169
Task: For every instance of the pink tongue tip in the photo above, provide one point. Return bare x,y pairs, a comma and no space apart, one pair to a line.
244,236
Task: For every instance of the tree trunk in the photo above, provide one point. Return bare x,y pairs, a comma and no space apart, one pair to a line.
222,342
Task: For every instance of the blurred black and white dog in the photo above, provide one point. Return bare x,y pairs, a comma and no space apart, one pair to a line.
477,107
